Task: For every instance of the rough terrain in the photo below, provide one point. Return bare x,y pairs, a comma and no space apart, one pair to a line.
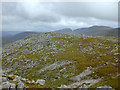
61,60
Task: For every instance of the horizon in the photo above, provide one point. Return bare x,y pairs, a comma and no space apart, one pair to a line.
53,30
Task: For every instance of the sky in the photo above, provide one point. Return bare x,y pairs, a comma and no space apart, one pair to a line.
50,16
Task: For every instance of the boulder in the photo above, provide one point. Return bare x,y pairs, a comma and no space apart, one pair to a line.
40,81
6,84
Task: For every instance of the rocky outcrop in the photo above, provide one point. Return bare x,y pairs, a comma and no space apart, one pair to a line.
18,81
7,84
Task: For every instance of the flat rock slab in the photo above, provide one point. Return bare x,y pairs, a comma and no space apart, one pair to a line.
90,81
55,65
81,75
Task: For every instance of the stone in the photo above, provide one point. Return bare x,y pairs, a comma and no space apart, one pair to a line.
64,86
40,81
17,78
105,86
85,86
29,81
12,85
33,81
4,79
21,85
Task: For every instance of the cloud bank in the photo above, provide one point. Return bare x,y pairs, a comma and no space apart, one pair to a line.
46,16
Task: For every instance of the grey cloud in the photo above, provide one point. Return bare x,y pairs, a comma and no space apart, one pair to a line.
49,16
101,10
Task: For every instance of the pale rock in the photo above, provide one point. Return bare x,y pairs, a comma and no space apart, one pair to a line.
64,86
12,85
21,85
105,86
33,81
6,84
4,79
40,81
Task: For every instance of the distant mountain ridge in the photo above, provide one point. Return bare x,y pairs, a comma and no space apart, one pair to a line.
98,30
93,30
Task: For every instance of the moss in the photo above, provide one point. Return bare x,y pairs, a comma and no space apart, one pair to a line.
113,82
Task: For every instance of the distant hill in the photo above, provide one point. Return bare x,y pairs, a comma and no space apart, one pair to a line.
113,32
94,30
65,30
10,33
98,30
12,38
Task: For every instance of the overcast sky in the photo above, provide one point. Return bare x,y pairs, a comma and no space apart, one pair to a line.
57,15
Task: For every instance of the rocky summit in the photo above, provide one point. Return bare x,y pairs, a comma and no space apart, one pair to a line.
59,60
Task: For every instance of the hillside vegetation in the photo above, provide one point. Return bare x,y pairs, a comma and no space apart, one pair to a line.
62,60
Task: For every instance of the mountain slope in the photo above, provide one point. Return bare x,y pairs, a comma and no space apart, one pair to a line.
62,60
11,38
